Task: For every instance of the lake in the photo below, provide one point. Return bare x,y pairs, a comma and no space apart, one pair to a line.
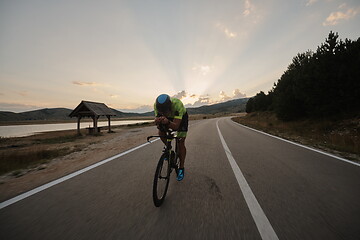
27,130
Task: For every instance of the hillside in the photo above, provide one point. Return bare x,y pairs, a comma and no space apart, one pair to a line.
42,114
121,114
50,114
339,137
232,106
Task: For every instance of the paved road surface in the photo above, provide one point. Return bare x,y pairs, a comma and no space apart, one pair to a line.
301,193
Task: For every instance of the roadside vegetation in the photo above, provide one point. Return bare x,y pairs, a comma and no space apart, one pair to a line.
316,85
27,152
315,101
193,117
21,154
340,137
69,120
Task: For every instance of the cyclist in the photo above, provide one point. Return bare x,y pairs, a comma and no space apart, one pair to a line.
171,113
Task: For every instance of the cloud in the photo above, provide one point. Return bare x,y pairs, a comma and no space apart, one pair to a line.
249,8
336,17
186,98
23,93
193,100
16,107
141,109
310,2
202,100
85,83
342,6
114,96
236,94
180,94
224,97
202,69
228,33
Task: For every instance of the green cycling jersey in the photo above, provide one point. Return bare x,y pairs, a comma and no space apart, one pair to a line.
177,109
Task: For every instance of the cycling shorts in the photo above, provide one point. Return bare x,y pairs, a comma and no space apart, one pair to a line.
184,125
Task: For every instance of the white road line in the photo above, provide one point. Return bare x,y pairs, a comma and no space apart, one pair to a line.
262,223
299,145
67,177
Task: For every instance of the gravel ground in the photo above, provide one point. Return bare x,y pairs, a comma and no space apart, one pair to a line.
90,149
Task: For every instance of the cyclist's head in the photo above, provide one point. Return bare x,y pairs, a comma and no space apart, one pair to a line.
163,104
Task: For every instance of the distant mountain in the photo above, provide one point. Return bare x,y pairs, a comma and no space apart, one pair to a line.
42,114
50,114
232,106
121,114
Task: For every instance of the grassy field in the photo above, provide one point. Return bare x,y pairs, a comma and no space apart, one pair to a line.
339,137
70,120
25,152
21,153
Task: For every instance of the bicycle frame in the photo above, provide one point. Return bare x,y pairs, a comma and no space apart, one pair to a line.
161,180
170,136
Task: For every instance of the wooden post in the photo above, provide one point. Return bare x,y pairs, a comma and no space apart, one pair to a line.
78,125
95,124
109,131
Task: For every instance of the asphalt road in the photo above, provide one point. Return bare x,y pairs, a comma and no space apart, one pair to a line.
301,194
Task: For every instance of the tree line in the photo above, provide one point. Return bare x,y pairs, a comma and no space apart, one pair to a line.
321,84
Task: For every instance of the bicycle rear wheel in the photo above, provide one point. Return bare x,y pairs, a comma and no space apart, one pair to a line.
161,180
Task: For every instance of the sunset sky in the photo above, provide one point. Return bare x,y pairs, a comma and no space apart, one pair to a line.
125,53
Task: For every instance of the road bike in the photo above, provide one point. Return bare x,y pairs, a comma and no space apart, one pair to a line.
168,162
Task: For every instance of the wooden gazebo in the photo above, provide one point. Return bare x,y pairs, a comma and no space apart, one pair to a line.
93,110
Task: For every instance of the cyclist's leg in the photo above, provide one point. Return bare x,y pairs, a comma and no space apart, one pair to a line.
182,151
182,133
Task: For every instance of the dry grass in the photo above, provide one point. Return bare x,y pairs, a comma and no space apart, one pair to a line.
27,152
339,137
70,120
14,160
17,155
22,153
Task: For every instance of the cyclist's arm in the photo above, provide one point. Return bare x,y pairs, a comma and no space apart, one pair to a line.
180,110
158,118
174,125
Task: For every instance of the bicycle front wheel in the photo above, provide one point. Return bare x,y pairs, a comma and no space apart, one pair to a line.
161,180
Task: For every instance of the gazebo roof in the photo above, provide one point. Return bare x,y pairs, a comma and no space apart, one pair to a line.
88,109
